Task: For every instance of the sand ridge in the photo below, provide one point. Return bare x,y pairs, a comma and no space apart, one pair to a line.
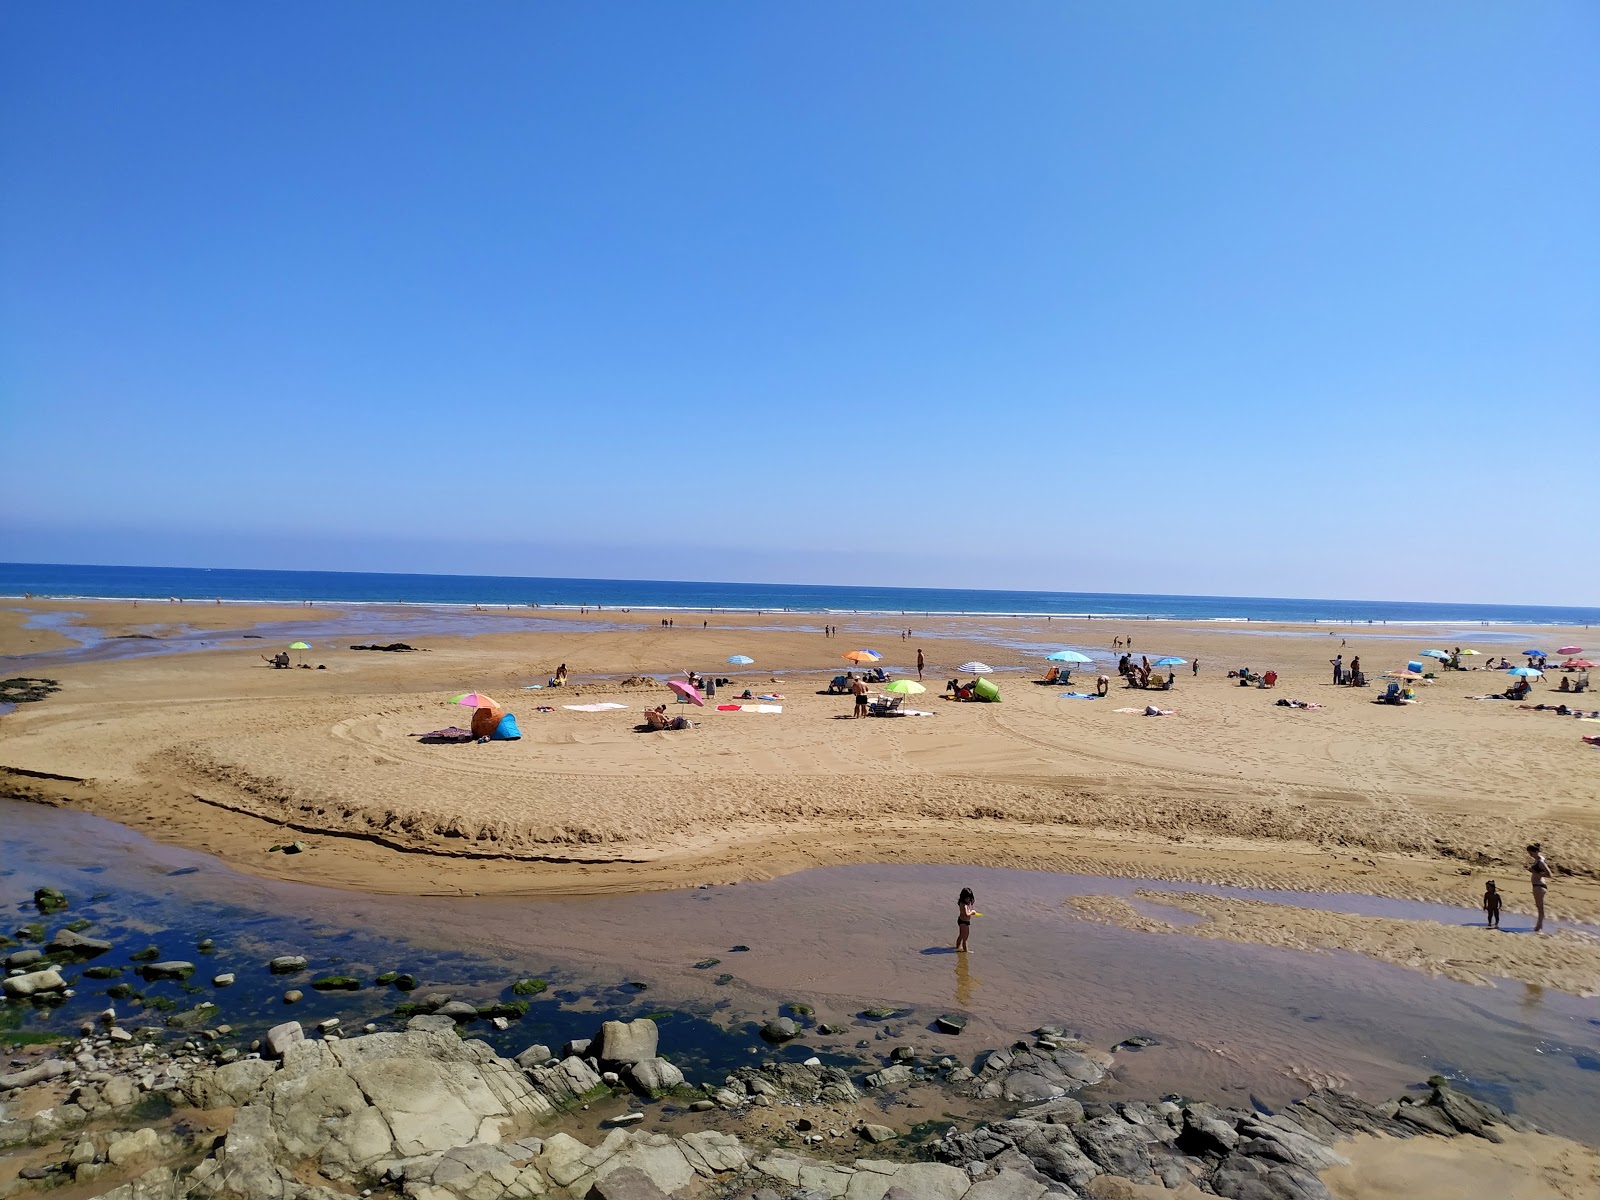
1565,959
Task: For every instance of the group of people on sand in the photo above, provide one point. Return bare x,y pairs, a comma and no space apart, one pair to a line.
1347,675
1139,675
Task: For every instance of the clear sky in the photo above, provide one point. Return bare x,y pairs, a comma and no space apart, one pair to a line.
1260,298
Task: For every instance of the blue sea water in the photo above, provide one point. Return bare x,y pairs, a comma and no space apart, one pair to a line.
191,583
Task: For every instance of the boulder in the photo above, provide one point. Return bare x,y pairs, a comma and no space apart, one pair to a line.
171,969
625,1042
71,942
287,964
653,1076
52,1068
125,1148
34,983
457,1010
280,1037
780,1030
23,958
535,1055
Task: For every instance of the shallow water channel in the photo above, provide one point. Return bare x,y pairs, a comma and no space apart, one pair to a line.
1232,1023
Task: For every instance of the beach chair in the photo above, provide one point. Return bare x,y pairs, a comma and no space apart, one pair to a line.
885,706
1051,676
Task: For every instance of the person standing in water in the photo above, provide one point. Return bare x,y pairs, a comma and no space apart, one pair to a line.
1491,905
1539,872
966,903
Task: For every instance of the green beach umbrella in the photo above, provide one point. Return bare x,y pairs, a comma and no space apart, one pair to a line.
905,687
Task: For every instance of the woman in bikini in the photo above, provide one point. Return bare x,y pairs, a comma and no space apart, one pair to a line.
1539,871
966,903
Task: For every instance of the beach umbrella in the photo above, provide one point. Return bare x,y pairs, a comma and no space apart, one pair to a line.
862,656
741,660
974,668
1068,656
1472,652
1439,654
1536,654
474,700
1404,675
1577,664
1532,672
1169,661
1569,649
300,646
905,687
688,691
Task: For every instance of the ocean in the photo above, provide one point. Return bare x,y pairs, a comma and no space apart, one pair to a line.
192,583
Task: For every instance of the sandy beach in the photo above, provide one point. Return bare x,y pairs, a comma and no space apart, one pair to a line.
211,748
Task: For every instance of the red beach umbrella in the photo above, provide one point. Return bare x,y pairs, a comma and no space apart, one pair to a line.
1569,649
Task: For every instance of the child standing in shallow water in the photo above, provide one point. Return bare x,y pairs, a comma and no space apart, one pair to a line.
966,903
1491,904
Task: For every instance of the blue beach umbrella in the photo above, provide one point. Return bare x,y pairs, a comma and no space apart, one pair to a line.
1439,654
1526,671
1169,661
1536,654
741,660
1067,656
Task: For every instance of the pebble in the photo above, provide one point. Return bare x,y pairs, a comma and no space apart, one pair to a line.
293,996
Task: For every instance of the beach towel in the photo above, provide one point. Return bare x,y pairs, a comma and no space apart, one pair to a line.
1077,696
916,712
607,707
769,696
750,708
440,737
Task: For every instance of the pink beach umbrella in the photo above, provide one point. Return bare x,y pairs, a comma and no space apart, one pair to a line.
688,691
1569,650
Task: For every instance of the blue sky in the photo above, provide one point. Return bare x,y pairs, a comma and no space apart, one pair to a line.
1261,298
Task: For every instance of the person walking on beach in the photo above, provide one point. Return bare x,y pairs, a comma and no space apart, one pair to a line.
1539,871
919,662
1338,669
1355,668
966,905
1491,905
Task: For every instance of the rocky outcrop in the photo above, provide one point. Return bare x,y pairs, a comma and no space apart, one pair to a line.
1052,1066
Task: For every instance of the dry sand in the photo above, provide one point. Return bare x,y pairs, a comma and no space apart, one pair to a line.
1526,1167
213,749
